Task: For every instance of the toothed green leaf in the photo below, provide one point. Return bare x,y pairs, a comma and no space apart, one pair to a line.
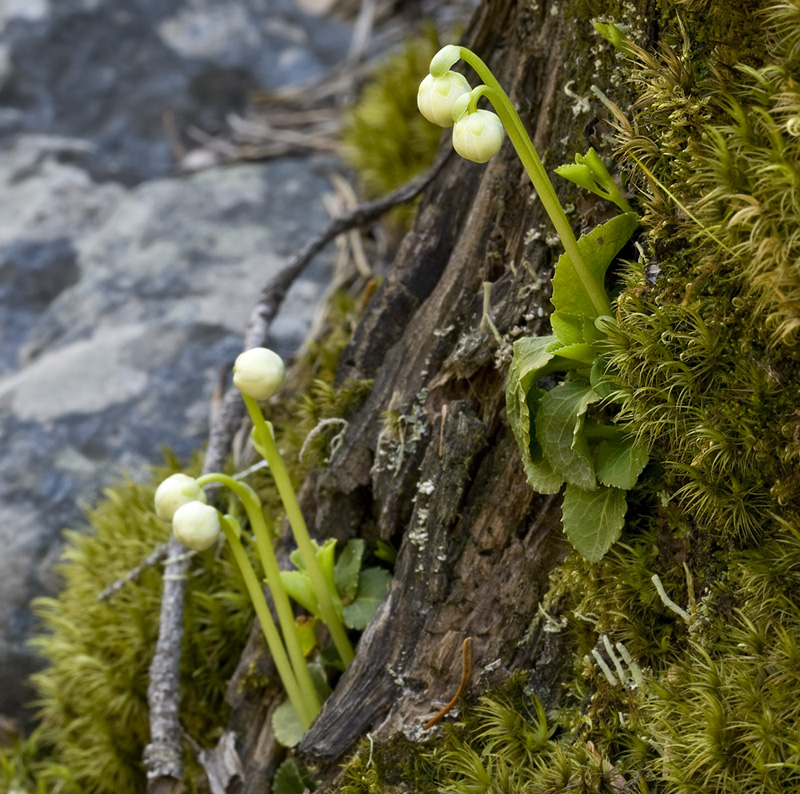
299,588
325,558
531,356
568,328
599,247
598,380
559,430
347,568
286,725
578,173
619,461
288,779
593,520
285,722
373,585
580,352
614,35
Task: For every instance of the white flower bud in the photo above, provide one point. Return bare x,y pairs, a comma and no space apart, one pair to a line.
259,373
478,136
196,526
437,95
176,491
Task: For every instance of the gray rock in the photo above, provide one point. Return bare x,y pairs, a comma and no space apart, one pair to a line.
109,72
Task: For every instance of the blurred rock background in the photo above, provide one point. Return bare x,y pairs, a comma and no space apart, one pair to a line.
143,205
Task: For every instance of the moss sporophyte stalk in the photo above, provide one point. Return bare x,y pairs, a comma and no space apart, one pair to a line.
560,432
338,593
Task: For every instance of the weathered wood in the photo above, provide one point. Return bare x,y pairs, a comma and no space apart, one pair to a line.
445,485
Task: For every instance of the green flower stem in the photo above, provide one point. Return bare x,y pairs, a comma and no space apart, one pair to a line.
288,679
252,505
541,182
284,484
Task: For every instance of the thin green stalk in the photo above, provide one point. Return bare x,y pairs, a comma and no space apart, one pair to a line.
252,505
300,531
541,182
271,635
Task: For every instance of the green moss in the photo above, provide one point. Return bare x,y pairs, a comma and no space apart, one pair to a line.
704,351
504,742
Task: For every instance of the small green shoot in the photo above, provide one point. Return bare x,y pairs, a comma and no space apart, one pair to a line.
356,592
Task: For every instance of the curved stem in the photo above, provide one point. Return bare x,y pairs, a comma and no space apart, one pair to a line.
300,531
541,182
271,635
252,505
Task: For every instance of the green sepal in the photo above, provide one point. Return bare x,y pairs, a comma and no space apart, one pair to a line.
373,585
619,461
593,520
599,247
559,430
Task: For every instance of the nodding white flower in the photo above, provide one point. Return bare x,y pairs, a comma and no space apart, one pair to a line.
176,491
259,373
478,136
196,525
437,95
